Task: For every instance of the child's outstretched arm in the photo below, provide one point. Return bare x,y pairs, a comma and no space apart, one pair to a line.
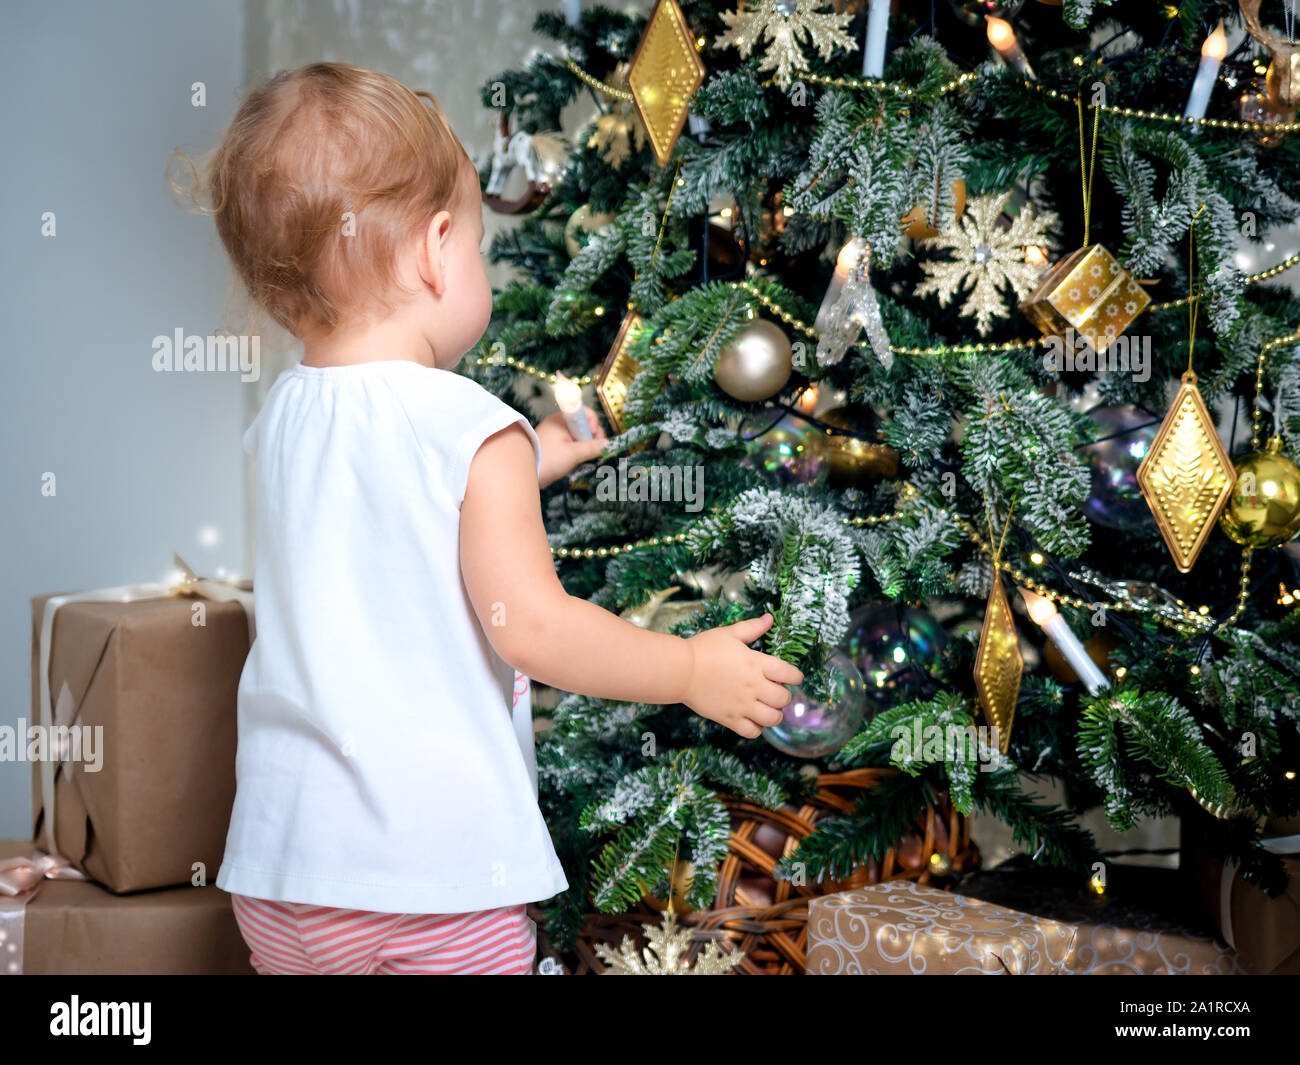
561,454
549,635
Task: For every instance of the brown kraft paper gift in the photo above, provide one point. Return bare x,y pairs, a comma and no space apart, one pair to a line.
78,928
1265,931
163,690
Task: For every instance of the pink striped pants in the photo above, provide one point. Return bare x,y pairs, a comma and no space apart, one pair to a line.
293,938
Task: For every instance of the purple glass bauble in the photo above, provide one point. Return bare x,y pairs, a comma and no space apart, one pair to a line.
1116,500
789,452
813,727
894,649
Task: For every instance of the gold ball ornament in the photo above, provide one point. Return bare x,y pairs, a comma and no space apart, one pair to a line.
940,863
918,220
581,224
682,874
756,364
1264,508
855,462
659,615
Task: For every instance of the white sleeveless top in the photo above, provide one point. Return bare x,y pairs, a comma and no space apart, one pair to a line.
380,766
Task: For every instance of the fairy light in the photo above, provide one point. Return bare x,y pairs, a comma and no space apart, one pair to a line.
1035,255
1002,36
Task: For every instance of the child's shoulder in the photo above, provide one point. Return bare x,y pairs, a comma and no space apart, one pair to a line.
439,402
457,397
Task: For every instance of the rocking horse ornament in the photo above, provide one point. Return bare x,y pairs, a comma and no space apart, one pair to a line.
540,155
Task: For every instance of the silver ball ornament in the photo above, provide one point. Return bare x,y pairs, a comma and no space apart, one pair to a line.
756,364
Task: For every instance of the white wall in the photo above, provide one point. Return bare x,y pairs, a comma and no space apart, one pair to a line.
96,96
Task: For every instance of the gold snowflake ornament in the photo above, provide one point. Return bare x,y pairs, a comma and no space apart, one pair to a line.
987,259
665,954
788,25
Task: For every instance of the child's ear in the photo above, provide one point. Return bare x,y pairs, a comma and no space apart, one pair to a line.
432,260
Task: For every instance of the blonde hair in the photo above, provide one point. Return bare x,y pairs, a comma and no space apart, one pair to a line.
323,173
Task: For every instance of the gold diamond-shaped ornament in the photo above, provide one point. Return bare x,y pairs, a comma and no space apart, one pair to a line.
998,665
664,75
1186,477
619,369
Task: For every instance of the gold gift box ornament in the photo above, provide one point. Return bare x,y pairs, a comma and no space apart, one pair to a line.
1089,292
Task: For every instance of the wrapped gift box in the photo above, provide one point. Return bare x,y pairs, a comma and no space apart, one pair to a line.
162,692
78,928
1144,923
1264,930
1090,292
909,928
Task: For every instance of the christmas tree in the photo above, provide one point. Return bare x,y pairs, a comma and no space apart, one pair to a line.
887,312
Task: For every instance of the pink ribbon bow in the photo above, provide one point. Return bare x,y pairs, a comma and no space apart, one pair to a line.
21,876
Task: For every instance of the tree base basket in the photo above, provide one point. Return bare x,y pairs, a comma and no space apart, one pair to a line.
767,918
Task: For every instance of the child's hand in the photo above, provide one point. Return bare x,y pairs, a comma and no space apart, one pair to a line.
561,454
734,685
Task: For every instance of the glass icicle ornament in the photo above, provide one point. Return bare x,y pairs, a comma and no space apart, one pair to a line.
849,307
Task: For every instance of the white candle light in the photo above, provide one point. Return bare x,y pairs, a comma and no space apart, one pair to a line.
1003,38
1212,53
568,396
873,55
1045,616
844,264
572,11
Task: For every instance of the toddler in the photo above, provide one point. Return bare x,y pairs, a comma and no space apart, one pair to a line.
386,816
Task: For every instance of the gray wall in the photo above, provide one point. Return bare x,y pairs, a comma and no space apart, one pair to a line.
96,97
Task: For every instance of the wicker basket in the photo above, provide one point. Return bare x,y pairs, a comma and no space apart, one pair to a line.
765,917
